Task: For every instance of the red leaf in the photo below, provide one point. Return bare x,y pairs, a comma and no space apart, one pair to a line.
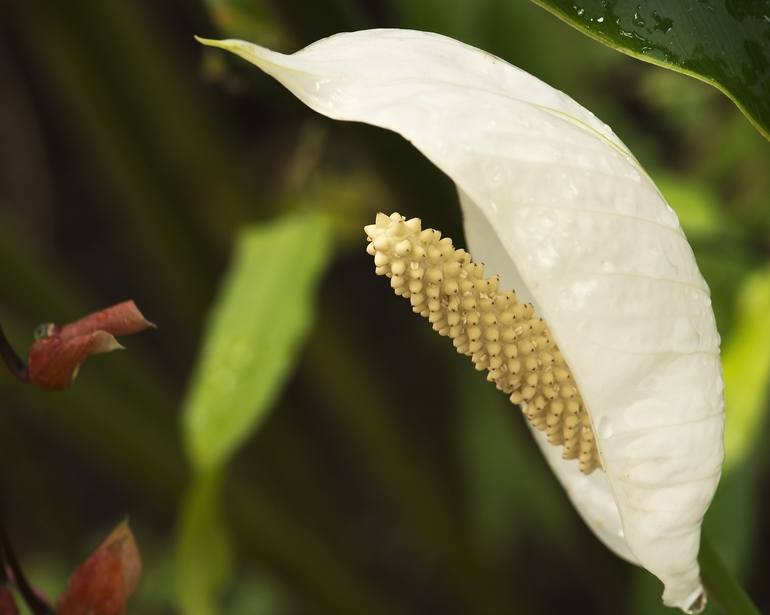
7,603
120,319
54,359
102,584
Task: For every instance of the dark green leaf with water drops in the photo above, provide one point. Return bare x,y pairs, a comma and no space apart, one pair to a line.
723,42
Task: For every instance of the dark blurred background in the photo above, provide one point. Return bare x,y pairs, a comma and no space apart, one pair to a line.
389,477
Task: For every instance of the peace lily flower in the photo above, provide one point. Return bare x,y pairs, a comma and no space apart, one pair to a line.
558,208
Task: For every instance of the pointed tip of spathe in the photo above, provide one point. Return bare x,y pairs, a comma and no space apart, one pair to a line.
204,41
269,61
228,44
210,42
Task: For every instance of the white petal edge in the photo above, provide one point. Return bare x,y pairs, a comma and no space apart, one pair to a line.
555,203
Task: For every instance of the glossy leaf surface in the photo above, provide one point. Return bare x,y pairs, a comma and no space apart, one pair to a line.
722,42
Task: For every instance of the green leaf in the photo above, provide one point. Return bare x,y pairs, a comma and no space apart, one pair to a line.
723,43
732,521
261,316
695,204
204,549
274,265
721,584
257,595
746,364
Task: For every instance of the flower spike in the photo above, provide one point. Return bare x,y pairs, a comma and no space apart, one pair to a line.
557,205
499,334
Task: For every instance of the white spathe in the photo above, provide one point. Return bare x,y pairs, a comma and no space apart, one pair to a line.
555,203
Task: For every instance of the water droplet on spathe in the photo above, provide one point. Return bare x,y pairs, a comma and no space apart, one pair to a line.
605,428
699,605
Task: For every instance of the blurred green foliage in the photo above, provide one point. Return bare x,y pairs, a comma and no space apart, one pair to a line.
746,364
204,560
386,476
262,314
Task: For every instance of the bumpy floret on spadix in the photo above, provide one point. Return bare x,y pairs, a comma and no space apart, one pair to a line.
501,335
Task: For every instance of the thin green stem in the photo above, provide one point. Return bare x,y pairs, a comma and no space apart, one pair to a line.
721,585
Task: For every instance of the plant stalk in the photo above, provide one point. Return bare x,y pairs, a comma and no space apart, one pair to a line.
14,363
36,604
721,585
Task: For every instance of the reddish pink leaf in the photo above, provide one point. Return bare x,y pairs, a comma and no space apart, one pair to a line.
102,584
54,360
120,319
7,603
